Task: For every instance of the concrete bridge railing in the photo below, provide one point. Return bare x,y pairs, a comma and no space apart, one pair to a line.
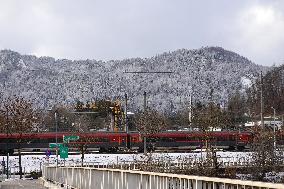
104,178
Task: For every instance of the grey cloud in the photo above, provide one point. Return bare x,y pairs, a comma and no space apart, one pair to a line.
113,29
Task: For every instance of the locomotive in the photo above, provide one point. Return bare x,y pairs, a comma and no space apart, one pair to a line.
133,141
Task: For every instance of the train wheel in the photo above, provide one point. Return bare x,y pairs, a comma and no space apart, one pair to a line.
231,148
11,151
241,148
140,150
150,148
113,150
102,150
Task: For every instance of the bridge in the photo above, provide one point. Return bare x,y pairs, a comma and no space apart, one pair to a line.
113,178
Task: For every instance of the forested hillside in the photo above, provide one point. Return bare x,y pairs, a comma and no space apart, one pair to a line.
273,92
209,74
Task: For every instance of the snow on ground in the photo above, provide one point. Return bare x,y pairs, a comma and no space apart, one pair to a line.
34,162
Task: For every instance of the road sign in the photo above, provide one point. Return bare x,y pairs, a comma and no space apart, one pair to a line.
66,139
63,152
48,153
54,145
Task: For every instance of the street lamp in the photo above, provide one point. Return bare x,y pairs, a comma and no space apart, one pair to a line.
56,141
274,138
55,117
7,133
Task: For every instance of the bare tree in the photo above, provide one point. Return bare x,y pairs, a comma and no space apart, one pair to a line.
237,108
265,157
97,119
209,116
149,122
2,122
65,119
81,127
19,117
179,119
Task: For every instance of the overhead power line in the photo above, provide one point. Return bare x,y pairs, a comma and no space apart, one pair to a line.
144,72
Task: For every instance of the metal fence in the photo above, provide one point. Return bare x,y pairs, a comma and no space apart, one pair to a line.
104,178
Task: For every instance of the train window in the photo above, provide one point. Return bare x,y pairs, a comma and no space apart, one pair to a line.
42,141
7,140
169,139
52,140
226,137
180,139
157,139
232,137
151,139
162,139
34,140
220,138
165,139
102,140
196,138
192,138
13,140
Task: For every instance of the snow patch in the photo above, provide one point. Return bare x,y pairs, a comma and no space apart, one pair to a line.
246,82
35,162
22,64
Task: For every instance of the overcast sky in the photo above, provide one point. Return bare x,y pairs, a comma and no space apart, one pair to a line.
118,29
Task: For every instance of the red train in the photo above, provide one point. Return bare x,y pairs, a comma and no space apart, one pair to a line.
121,141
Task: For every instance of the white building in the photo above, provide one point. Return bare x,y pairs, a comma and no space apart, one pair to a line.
277,124
268,122
250,124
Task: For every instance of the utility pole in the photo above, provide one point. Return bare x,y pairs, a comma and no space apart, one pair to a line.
147,72
145,101
274,137
190,110
7,132
145,95
127,142
56,141
145,109
261,101
282,119
125,114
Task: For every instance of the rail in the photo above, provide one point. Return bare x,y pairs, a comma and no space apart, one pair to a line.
104,178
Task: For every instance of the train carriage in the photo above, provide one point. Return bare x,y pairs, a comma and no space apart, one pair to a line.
229,140
102,141
133,141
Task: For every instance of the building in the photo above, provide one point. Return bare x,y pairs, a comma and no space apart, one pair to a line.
268,122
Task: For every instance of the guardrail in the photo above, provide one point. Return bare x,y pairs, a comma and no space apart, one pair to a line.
103,178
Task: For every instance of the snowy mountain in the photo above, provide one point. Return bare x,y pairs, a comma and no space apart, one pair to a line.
209,73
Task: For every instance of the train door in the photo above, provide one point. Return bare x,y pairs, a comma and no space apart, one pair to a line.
128,140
